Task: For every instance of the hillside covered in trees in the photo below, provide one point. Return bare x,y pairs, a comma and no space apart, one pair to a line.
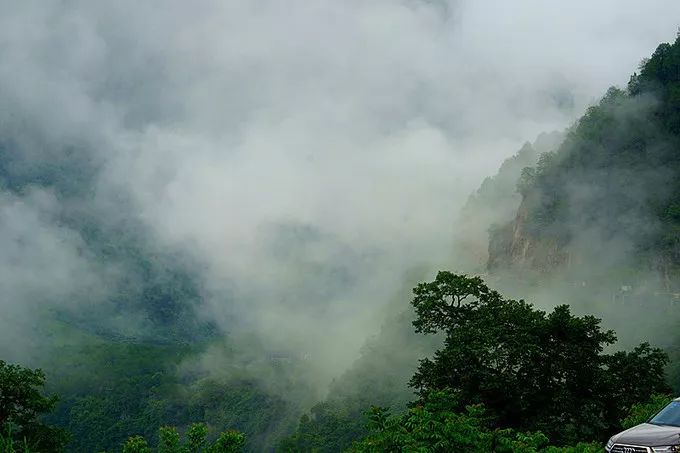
508,378
609,195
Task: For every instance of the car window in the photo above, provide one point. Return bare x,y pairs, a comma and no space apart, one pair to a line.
669,415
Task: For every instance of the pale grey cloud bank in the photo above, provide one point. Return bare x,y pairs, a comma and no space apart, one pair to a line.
309,153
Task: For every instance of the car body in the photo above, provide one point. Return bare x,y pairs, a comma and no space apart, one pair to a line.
659,434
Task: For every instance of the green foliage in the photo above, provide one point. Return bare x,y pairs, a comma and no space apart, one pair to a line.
643,411
527,180
434,425
112,390
136,444
196,437
533,371
229,442
118,389
330,427
509,379
9,445
581,447
22,404
170,441
21,398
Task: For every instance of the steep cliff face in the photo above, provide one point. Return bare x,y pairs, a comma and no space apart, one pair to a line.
514,246
610,194
495,203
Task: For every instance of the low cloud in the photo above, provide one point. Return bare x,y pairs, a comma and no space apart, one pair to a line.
307,156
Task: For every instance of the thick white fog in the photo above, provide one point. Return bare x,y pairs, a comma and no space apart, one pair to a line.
308,154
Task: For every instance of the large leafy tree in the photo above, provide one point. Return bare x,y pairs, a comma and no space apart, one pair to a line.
22,403
534,371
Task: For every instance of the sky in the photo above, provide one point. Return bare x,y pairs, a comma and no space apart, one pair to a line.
309,154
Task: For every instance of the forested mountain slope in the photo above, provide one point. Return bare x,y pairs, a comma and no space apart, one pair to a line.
140,280
609,196
121,346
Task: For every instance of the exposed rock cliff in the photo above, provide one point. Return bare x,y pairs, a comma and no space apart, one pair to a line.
513,245
495,203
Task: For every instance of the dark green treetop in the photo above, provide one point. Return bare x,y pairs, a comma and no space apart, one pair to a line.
534,371
22,403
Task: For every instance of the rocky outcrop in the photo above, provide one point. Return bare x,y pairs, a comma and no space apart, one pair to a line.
494,203
515,246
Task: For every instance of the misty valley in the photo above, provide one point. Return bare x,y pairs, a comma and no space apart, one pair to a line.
390,226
